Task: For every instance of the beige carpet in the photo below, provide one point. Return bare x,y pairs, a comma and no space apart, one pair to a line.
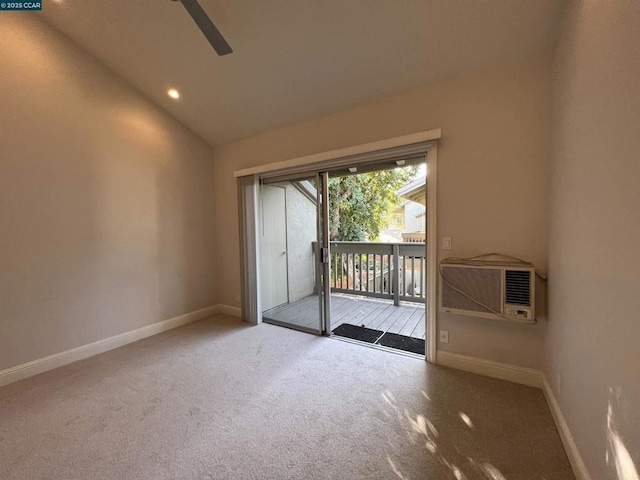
219,399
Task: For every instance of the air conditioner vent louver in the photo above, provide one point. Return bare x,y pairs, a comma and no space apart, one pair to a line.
518,287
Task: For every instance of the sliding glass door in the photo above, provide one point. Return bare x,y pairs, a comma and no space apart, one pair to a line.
294,253
381,280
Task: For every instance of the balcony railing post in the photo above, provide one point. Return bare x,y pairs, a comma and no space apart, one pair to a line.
396,274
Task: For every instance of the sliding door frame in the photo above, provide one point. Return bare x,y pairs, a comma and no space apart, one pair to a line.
422,143
323,222
431,307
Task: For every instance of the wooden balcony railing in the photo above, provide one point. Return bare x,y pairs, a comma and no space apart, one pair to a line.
382,270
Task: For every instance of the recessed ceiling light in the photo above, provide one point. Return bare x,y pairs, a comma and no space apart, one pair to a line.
173,93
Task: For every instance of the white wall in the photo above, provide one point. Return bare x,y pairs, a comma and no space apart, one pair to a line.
593,345
301,233
106,203
492,180
415,219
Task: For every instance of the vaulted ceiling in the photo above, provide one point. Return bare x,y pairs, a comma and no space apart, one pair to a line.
295,60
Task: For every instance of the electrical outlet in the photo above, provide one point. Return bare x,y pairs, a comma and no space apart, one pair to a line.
446,243
444,336
237,298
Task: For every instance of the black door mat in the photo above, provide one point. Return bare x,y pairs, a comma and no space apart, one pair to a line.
402,342
357,333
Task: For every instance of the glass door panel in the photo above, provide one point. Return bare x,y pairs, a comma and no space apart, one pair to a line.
291,276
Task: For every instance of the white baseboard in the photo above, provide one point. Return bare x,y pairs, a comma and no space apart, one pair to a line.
503,371
41,365
579,468
229,310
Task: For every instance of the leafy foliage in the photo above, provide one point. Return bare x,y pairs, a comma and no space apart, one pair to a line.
360,205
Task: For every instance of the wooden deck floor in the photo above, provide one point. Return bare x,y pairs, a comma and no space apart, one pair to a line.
405,319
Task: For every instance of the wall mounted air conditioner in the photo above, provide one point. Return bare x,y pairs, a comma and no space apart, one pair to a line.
489,289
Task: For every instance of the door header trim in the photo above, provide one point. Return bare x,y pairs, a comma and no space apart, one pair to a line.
357,150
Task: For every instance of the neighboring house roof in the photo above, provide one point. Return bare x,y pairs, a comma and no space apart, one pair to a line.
415,190
306,188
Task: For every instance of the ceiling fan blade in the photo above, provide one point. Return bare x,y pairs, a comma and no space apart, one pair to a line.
207,27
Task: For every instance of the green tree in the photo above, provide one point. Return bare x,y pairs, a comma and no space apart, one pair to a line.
360,205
